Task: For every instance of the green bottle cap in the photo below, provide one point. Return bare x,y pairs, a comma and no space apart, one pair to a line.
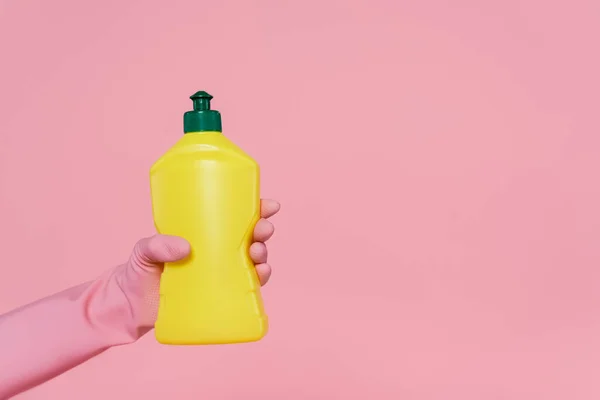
202,119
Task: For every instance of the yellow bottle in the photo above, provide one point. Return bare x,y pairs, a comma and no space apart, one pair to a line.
207,190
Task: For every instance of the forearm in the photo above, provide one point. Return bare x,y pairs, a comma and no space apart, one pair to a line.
50,336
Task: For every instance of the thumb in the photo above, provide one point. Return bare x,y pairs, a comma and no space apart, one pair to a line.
159,249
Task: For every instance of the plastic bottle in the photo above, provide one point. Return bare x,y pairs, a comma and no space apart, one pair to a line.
207,190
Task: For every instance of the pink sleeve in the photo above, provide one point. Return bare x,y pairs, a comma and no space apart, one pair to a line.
50,336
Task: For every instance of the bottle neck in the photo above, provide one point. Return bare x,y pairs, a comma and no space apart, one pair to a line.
204,133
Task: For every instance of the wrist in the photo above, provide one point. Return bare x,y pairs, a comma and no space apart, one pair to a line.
119,306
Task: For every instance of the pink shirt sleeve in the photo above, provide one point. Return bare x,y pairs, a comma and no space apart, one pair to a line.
50,336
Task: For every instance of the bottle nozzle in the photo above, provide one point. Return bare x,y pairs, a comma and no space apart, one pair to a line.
202,118
201,101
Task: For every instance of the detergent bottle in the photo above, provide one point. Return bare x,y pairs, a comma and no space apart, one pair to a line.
207,190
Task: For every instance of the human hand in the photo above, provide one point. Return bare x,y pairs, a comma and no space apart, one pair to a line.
115,309
140,276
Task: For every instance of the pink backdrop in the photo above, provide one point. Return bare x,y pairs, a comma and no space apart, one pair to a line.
437,163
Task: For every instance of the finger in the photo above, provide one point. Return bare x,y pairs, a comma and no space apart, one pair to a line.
264,273
258,252
159,249
263,230
268,208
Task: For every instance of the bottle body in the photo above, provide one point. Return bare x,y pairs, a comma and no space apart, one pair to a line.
207,190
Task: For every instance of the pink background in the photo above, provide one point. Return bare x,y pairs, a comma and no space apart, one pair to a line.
437,163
